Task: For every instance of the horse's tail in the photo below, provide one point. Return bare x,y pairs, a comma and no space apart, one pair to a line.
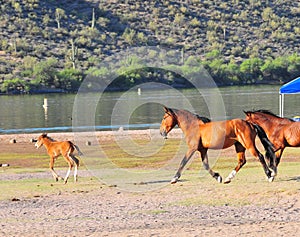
268,145
4,165
77,149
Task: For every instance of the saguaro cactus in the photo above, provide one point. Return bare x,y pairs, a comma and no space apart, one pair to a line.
74,54
93,19
59,14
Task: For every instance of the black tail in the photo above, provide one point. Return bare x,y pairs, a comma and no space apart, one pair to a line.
78,150
269,147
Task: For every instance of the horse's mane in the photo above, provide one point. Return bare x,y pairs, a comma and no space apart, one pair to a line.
45,135
265,111
202,118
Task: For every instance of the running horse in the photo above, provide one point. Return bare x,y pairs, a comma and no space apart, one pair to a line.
202,135
57,148
282,132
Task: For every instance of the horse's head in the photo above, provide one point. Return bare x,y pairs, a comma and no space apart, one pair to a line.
259,116
40,140
250,116
168,122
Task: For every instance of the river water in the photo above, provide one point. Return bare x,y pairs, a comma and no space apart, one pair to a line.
134,109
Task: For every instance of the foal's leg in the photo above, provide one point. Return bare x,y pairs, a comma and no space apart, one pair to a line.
70,163
204,158
68,172
240,151
76,161
185,159
51,166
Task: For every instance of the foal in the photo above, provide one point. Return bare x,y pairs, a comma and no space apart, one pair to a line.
55,149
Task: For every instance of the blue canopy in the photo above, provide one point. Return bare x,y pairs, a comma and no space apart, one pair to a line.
291,87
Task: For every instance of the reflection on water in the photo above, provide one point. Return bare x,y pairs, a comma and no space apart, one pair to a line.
25,113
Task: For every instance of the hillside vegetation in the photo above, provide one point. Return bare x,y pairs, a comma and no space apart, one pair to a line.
55,44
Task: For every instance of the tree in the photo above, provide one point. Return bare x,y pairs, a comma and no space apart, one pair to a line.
69,79
15,85
45,72
250,70
294,65
276,69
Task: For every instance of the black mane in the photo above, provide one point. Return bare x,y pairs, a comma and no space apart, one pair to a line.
265,111
203,119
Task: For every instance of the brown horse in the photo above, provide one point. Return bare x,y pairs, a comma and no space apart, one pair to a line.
203,135
282,132
55,149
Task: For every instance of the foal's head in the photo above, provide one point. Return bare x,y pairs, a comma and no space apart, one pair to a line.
168,122
40,140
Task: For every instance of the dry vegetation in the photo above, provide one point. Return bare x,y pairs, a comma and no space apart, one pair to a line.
55,44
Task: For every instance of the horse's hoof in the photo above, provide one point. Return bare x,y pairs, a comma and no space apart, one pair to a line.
271,179
174,180
273,172
219,179
227,181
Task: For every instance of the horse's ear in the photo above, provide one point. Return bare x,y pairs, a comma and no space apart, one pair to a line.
166,109
44,135
247,113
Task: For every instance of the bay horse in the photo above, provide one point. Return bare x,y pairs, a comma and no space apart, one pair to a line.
57,148
282,132
202,135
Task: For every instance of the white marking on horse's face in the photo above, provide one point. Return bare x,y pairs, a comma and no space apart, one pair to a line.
38,144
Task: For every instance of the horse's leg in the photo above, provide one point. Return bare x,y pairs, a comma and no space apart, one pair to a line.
253,150
68,172
68,158
271,158
240,151
76,161
273,163
278,156
204,158
51,166
185,159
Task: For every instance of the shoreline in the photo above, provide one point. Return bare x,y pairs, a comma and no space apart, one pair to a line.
99,135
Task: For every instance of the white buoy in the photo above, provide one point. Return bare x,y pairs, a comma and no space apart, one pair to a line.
45,105
139,91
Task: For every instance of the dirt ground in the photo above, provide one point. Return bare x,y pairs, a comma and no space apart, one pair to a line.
108,211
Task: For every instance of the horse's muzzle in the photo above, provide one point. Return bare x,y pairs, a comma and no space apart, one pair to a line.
164,134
